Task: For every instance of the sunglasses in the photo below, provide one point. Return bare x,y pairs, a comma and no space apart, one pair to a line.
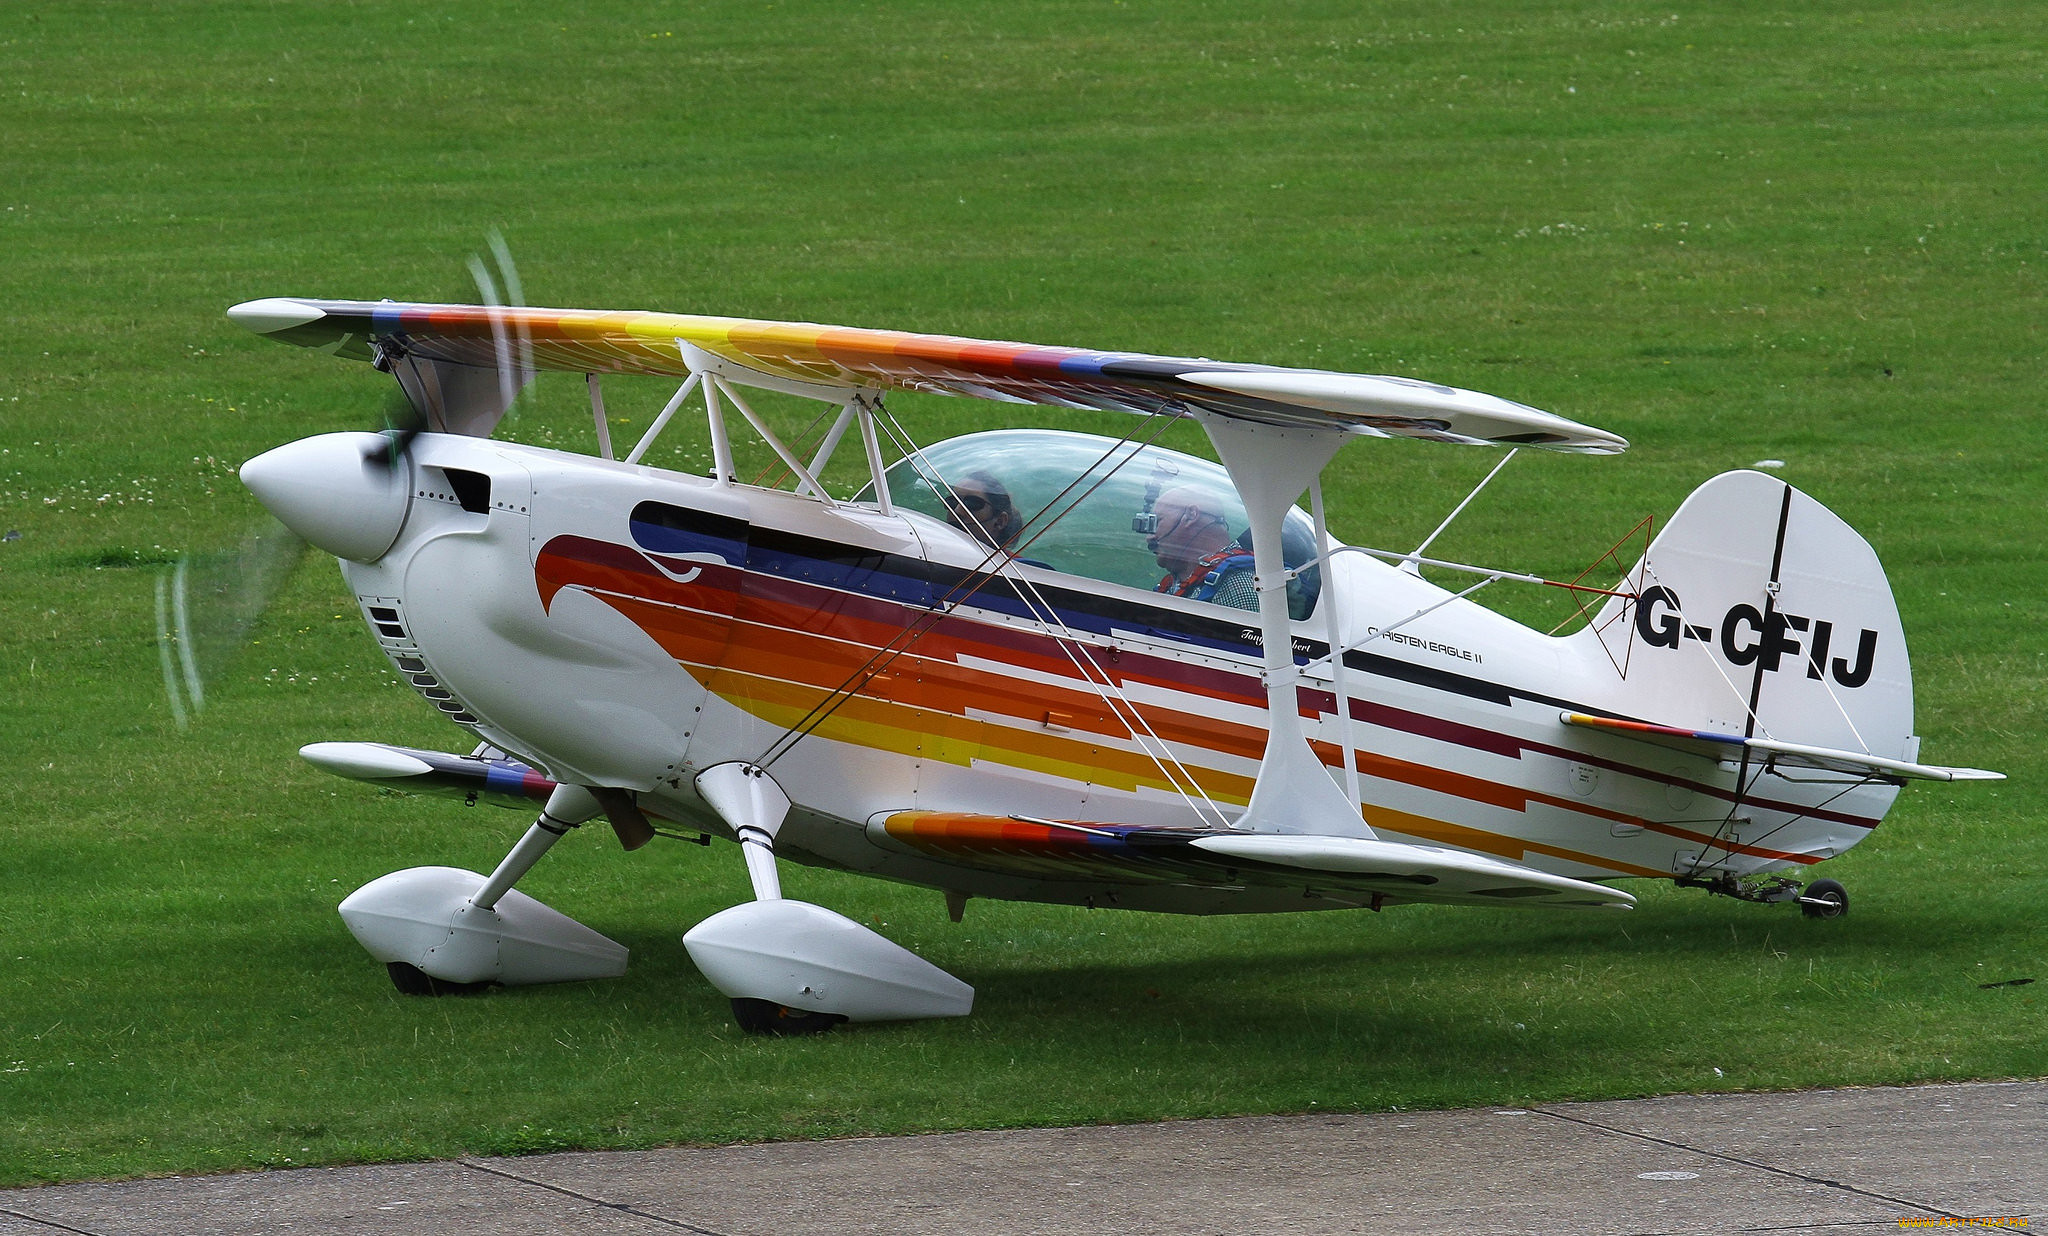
981,502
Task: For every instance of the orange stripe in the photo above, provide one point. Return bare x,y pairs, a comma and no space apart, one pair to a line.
879,724
918,707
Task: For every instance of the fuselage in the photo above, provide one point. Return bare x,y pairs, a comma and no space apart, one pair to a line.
625,626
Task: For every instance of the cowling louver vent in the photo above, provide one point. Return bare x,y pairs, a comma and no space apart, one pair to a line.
387,619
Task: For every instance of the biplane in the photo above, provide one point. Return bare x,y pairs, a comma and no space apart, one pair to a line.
1047,665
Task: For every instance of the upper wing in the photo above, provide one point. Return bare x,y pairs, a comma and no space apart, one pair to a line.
846,358
1377,872
1788,754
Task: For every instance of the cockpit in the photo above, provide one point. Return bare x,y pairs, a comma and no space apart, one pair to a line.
1141,516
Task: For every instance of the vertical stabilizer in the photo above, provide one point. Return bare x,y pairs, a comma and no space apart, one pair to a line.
1759,612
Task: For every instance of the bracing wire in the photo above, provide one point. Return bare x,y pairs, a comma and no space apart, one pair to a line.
1001,562
1071,644
1714,842
972,582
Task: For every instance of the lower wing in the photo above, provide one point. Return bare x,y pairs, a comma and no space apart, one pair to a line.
1374,872
1387,872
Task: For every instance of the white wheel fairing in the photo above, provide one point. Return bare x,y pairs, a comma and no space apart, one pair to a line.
808,958
422,917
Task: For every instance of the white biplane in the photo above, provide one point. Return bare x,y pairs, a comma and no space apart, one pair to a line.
971,676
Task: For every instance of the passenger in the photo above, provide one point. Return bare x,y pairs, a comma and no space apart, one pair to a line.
1192,542
980,506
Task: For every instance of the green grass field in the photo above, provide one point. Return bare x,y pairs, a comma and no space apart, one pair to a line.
1730,232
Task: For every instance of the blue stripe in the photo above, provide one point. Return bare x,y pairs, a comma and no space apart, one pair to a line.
504,780
915,581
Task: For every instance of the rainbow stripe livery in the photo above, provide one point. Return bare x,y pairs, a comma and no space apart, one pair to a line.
963,678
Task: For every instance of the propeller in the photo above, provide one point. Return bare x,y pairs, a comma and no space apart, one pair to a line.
403,422
208,603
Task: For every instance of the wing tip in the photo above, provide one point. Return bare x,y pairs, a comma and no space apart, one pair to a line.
363,761
272,314
1410,408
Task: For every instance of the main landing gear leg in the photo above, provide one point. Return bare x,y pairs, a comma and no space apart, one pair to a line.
791,967
443,930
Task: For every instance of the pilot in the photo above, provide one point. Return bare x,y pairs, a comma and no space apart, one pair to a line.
980,506
1192,542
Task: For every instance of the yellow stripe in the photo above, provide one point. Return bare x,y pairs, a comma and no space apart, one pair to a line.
925,733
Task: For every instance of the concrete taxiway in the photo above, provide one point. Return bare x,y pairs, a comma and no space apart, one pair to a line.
1818,1161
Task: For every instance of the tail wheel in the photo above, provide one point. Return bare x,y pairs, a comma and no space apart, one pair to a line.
768,1017
1824,899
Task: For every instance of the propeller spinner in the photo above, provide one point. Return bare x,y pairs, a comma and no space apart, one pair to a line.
336,491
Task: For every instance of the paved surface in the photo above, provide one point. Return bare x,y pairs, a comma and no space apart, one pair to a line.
1824,1162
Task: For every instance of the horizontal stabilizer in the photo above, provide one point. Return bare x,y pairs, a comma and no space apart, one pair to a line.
430,772
1770,750
1370,872
827,362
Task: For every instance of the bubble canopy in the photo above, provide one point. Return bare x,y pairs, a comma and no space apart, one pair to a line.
1076,521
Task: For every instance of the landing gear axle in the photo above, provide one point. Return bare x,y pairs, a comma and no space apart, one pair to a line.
768,1017
410,980
1824,899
